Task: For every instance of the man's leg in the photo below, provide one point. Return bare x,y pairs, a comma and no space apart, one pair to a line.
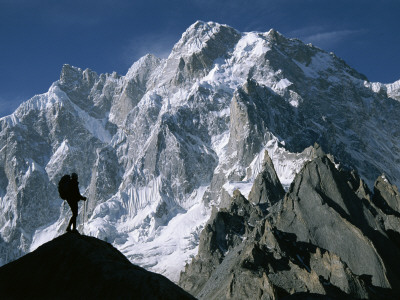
74,209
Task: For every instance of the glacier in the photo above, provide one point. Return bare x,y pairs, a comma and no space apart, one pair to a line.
156,148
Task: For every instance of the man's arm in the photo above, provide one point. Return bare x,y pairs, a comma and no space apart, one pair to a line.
77,193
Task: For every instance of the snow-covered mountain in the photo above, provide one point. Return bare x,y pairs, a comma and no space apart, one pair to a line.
156,148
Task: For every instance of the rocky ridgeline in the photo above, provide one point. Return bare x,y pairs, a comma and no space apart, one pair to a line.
328,235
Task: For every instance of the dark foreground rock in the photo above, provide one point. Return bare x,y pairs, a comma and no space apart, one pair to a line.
326,239
74,266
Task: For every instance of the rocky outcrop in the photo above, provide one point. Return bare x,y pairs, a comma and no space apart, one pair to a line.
135,86
325,237
386,196
74,266
267,189
226,229
195,53
320,207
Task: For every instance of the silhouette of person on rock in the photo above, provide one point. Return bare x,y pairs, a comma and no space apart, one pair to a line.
73,199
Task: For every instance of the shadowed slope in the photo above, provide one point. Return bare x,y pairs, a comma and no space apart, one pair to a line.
76,266
324,240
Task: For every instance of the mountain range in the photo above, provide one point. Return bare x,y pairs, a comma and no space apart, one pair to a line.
158,148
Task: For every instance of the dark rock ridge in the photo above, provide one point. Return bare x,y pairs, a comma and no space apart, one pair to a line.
267,188
386,196
74,266
325,239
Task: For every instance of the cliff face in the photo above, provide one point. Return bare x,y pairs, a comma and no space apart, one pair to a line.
74,266
325,236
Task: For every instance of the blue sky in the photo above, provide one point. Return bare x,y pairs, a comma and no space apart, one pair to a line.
38,36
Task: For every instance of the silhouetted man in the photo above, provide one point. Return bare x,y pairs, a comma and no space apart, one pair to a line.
73,200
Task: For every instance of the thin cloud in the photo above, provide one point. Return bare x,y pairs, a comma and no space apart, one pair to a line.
330,38
257,25
324,38
158,44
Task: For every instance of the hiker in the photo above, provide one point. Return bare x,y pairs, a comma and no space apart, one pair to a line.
73,198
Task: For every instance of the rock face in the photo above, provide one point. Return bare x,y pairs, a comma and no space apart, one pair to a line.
386,196
157,146
325,237
267,189
80,267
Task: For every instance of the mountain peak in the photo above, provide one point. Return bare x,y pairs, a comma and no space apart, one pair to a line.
197,36
202,25
145,62
70,72
78,266
71,75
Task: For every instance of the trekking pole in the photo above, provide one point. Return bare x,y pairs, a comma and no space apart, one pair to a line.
84,213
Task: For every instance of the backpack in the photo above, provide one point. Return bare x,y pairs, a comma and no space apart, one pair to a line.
63,187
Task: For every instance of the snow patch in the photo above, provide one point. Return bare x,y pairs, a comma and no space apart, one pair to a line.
283,84
320,63
287,164
45,234
94,126
163,249
57,159
251,44
243,186
173,246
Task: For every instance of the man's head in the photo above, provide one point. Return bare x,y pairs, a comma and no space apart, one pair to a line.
74,176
